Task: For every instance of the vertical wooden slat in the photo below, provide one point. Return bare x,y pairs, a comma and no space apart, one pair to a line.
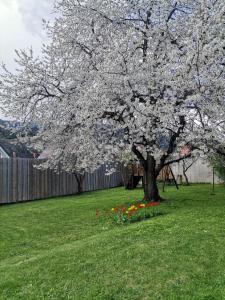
37,172
19,184
9,181
5,180
14,180
1,183
30,179
34,182
25,179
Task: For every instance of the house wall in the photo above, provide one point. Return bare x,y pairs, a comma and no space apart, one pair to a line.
3,154
200,172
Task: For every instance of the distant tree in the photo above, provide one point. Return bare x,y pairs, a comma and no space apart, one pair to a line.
218,163
121,75
186,165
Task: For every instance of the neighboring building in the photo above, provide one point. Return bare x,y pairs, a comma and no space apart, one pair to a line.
199,172
10,149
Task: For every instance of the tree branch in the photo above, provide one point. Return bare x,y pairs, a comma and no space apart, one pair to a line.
139,156
177,160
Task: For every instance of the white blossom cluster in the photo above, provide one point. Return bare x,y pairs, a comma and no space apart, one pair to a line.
144,76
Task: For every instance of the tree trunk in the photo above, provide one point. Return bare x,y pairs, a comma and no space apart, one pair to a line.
151,192
80,179
184,172
186,178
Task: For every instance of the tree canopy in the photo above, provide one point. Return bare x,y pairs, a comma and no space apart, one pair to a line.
124,75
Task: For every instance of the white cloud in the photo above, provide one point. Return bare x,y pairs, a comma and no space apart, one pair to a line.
21,27
33,12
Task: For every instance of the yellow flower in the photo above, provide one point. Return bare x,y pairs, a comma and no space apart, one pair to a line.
133,207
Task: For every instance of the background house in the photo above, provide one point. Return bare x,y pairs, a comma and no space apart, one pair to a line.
12,149
200,172
9,145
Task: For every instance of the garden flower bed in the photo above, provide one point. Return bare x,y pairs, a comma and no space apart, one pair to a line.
136,212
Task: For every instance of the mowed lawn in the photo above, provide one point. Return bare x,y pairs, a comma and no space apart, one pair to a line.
58,249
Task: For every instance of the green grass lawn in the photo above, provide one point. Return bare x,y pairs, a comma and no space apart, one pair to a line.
58,249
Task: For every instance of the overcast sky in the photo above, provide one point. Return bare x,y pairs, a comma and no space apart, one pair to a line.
21,26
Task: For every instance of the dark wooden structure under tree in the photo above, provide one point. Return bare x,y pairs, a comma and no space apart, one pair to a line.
168,177
134,172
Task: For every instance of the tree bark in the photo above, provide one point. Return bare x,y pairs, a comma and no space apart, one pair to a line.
80,179
184,172
186,178
151,192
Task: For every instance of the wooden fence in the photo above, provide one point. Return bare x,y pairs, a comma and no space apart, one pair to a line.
21,181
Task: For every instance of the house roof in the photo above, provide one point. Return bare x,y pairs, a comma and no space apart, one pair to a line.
20,150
